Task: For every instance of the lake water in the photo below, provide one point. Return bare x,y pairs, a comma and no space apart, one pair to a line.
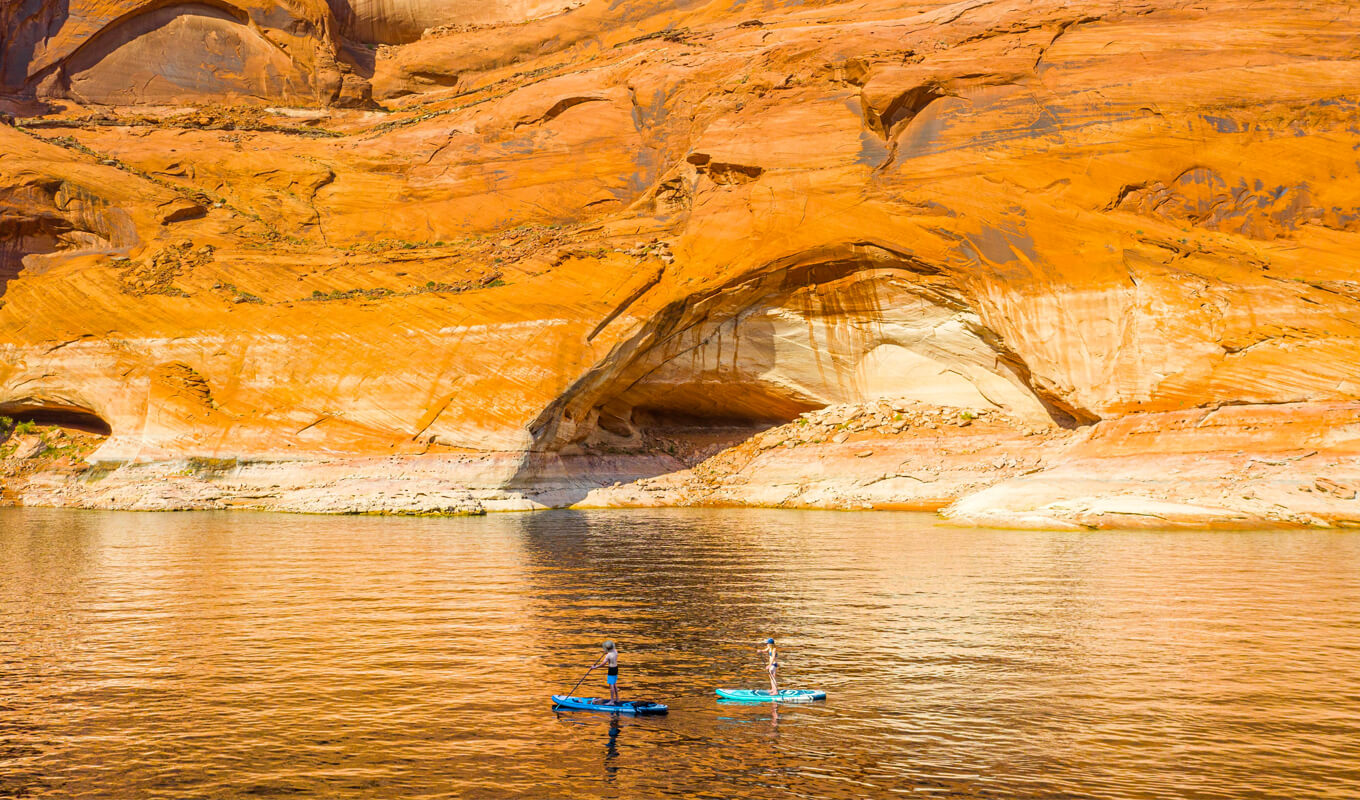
250,655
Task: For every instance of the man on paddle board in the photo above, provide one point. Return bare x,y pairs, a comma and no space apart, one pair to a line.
611,659
772,665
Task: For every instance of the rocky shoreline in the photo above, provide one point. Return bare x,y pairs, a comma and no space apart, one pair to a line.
1294,465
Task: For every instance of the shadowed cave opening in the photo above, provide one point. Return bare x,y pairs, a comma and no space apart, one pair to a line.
688,433
71,418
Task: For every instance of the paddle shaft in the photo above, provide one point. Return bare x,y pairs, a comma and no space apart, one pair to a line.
578,683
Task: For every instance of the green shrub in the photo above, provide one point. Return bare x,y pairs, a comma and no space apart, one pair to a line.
209,467
347,294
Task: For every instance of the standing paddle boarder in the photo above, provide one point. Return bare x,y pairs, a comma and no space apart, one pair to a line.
771,666
774,695
613,705
611,659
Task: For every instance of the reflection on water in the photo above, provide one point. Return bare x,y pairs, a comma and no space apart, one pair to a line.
224,655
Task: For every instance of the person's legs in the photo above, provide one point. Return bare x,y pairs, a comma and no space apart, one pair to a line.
613,681
774,687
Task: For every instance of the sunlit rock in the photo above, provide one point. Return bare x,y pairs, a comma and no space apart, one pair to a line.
610,243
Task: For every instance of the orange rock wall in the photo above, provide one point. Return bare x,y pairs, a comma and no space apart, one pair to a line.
565,229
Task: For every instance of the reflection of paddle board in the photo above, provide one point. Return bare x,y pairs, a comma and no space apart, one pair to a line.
599,704
767,696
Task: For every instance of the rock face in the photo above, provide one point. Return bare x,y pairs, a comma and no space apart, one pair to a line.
401,21
597,244
136,51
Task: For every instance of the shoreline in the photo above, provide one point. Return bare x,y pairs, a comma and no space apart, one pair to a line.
1232,467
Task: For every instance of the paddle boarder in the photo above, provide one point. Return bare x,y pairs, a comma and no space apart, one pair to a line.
772,665
611,660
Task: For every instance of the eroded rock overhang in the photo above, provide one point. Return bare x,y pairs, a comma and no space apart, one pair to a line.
845,323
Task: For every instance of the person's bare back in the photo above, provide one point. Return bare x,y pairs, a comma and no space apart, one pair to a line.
610,659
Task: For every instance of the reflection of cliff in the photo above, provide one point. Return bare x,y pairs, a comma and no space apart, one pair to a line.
605,580
650,231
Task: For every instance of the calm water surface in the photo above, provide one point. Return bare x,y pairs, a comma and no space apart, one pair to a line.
243,655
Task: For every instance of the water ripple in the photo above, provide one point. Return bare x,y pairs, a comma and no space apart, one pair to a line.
251,655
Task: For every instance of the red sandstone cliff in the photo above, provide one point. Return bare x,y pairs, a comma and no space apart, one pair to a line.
569,246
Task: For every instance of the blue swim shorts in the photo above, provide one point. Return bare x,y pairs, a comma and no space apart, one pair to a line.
612,679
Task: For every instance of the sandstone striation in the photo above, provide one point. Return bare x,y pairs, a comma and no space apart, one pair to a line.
1031,263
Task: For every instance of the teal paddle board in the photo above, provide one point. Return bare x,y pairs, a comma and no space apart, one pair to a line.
767,696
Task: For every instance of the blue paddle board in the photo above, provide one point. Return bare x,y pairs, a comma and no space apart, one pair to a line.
767,696
638,707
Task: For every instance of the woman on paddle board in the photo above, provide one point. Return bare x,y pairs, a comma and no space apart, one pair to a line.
611,659
772,665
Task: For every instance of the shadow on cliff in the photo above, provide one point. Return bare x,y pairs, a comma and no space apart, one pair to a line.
23,38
